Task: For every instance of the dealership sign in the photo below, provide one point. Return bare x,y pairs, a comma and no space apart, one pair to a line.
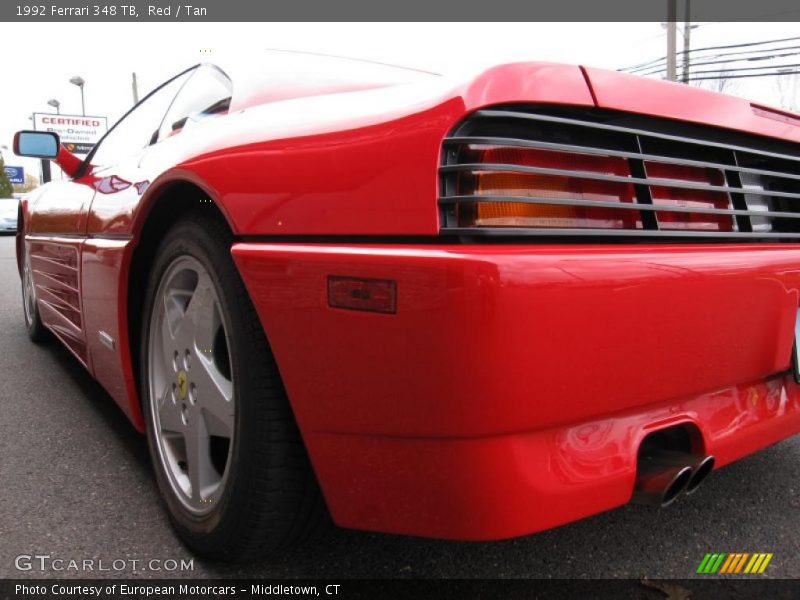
15,174
78,134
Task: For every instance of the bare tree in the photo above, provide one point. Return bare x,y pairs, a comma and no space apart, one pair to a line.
720,83
788,88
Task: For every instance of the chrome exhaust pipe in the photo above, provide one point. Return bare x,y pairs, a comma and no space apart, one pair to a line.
667,468
701,470
659,481
701,465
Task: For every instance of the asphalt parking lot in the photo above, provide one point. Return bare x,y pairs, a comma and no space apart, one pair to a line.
77,484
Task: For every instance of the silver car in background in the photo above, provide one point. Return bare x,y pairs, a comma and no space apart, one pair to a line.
9,210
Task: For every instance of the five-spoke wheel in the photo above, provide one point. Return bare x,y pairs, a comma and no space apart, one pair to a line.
191,385
228,457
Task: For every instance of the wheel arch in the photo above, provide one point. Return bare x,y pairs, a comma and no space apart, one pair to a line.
19,238
163,203
23,216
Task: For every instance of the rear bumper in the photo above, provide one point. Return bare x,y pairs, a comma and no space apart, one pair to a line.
511,390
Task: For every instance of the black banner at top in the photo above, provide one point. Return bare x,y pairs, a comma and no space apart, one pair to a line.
66,11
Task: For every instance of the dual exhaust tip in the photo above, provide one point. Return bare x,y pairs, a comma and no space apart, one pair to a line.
663,475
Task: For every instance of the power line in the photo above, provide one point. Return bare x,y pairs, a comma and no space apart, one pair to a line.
727,62
721,71
760,52
775,71
726,47
746,44
729,46
778,74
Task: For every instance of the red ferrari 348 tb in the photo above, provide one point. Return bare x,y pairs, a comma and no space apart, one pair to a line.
460,309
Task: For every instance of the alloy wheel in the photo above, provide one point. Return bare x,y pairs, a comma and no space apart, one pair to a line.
191,387
28,293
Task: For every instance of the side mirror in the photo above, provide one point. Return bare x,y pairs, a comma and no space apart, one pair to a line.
36,144
45,144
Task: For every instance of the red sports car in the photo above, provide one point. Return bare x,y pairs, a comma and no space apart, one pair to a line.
460,309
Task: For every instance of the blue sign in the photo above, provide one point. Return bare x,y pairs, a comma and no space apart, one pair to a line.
15,174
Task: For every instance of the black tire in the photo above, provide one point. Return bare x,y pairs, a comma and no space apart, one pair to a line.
37,332
271,499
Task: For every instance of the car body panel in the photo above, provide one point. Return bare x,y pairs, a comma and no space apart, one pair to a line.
624,92
499,387
102,261
551,333
60,209
516,483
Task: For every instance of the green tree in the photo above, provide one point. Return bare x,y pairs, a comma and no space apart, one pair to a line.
31,183
6,189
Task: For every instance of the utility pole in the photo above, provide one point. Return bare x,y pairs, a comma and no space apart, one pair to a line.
687,32
687,45
672,14
135,88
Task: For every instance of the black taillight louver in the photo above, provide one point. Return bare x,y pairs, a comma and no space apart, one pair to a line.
681,180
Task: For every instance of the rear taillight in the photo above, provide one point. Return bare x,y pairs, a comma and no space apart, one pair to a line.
689,198
504,197
547,172
507,198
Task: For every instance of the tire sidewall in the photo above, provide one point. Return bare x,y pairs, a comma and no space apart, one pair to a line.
37,332
194,239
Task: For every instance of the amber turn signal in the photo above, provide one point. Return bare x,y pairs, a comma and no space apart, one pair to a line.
354,293
544,197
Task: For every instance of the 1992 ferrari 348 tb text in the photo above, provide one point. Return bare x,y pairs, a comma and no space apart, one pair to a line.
466,309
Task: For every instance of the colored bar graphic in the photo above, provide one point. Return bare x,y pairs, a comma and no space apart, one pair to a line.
751,564
711,562
757,566
766,562
742,560
727,565
718,564
734,563
703,563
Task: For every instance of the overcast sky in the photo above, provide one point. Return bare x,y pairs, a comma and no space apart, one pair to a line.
39,59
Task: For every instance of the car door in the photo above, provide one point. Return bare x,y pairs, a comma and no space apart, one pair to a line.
120,180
